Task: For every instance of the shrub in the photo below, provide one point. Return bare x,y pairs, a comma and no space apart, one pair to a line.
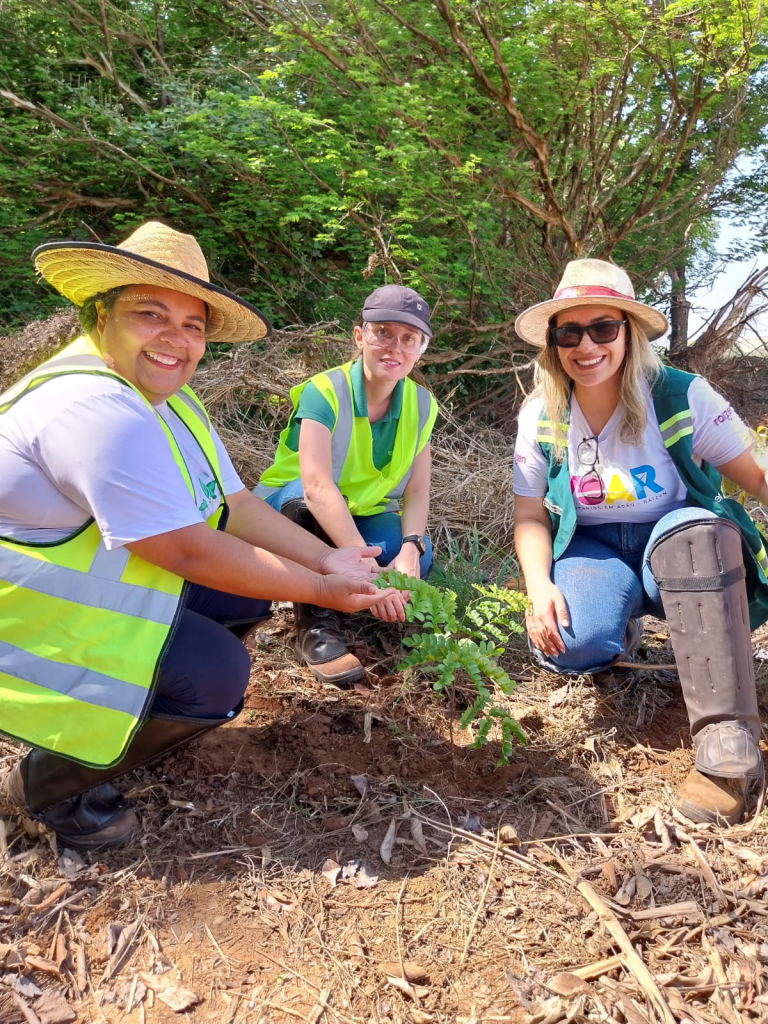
470,642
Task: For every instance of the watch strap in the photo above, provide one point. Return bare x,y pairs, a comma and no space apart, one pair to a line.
418,540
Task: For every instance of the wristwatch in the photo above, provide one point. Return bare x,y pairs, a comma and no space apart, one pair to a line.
418,540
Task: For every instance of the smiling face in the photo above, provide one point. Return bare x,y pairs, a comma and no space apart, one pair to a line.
154,337
381,345
589,364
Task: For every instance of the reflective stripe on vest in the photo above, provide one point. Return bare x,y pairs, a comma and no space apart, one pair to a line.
424,402
341,438
547,430
73,681
21,569
677,426
335,385
84,629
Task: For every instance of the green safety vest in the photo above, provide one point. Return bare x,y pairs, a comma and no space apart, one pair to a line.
83,630
367,490
703,483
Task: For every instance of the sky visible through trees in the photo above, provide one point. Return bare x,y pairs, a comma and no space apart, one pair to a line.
319,150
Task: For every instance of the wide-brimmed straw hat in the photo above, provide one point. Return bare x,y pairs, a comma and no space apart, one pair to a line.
590,283
153,254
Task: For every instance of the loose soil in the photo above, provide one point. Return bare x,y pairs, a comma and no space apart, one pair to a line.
258,884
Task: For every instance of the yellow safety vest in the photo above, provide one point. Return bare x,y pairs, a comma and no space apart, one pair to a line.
367,490
83,630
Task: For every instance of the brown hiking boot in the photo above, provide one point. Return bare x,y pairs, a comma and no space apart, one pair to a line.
320,645
711,801
342,672
319,637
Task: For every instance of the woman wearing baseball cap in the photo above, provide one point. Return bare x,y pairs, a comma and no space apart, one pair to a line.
619,512
132,558
353,465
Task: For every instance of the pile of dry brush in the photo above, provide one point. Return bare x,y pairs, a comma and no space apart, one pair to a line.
246,391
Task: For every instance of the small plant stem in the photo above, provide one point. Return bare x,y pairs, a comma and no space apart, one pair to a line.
450,724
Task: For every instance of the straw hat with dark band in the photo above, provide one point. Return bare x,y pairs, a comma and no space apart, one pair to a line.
590,283
154,254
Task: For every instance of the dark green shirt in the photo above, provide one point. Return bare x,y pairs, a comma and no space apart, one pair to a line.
312,406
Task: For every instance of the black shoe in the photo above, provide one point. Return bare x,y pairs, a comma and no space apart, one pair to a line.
97,820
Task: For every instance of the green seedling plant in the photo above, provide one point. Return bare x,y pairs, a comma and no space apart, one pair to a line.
470,641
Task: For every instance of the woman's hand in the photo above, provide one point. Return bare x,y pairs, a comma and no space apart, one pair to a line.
406,561
346,595
356,563
392,607
547,609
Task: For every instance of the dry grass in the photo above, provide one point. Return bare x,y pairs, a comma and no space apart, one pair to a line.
230,885
247,394
26,348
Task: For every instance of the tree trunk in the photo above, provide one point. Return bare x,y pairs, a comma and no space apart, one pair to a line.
679,313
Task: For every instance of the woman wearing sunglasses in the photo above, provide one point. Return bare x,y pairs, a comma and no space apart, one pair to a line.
354,461
619,512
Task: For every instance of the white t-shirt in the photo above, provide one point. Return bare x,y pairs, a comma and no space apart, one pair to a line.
616,482
83,446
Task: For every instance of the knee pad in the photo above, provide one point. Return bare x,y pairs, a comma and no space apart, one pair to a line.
699,570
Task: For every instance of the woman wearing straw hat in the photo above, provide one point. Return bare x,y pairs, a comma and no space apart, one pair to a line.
353,465
131,555
619,512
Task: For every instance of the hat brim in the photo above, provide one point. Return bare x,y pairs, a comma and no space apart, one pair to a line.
395,316
533,323
79,270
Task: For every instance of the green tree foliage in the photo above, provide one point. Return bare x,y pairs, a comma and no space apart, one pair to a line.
466,149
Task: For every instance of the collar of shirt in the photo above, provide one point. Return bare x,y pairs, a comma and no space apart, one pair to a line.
361,402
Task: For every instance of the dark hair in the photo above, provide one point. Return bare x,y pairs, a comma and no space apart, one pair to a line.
88,314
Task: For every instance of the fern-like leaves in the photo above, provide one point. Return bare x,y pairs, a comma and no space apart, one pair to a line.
445,646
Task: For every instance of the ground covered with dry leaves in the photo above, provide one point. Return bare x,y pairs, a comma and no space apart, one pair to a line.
345,856
341,857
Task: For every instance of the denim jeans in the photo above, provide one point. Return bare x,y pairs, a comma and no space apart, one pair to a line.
206,668
383,530
606,580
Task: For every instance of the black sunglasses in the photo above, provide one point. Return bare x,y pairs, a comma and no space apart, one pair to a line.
570,335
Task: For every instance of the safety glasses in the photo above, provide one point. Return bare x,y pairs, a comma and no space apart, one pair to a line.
382,336
569,335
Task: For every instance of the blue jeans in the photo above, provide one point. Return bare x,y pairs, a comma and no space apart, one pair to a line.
382,530
606,580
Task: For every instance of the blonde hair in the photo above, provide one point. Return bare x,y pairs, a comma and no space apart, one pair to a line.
553,386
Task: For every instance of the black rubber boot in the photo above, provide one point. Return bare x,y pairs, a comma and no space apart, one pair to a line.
319,639
78,802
